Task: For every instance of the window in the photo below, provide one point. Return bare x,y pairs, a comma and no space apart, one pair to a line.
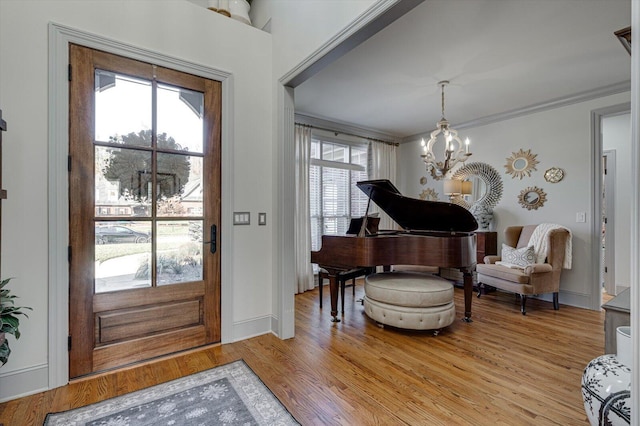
335,168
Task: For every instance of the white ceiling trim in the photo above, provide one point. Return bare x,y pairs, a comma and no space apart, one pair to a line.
600,92
344,128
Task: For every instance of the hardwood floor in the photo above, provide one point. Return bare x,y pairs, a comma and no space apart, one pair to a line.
502,369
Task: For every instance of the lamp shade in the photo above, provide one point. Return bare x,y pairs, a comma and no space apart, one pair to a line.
452,186
467,187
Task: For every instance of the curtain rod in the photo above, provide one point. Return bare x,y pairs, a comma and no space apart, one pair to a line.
336,132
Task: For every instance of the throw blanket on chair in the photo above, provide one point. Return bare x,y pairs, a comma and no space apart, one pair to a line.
539,242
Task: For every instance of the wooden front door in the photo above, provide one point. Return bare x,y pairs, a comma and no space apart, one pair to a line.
144,209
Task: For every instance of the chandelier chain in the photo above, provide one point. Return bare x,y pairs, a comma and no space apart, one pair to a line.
442,94
455,150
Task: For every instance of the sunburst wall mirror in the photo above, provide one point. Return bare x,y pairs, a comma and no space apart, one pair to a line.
532,198
487,185
486,191
521,163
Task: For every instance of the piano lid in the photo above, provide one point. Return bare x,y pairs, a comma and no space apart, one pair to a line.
418,215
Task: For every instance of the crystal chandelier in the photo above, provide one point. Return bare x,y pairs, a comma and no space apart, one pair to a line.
454,150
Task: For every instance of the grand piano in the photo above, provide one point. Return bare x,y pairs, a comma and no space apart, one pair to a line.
433,233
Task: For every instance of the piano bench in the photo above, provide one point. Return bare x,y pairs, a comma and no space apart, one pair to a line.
342,277
409,300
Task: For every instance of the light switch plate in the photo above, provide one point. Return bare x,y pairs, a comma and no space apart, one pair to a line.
581,217
262,218
241,218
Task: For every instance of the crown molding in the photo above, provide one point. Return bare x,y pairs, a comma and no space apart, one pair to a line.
612,89
345,128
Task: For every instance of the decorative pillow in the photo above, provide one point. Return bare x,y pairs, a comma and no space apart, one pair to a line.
520,257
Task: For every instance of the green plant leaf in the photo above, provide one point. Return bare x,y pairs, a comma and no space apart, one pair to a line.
9,321
4,352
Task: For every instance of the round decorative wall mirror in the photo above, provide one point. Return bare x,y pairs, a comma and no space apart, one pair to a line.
487,185
532,197
521,163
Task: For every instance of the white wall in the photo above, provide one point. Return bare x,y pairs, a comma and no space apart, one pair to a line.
174,28
560,137
616,135
300,27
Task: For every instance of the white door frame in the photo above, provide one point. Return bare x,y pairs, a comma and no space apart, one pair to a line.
635,214
596,198
608,269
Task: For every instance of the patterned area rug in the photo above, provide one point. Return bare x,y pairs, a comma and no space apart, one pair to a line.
227,395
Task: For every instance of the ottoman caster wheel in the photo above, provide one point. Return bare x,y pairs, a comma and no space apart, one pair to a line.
381,325
436,332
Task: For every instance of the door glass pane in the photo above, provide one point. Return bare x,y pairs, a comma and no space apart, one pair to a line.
122,182
180,118
122,107
179,185
122,255
179,253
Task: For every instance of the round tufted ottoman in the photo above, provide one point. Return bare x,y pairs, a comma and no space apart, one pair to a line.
409,300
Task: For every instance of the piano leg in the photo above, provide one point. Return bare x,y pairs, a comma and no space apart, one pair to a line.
334,287
468,295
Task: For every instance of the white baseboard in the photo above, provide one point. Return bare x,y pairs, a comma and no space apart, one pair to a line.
23,382
621,288
577,300
31,380
254,327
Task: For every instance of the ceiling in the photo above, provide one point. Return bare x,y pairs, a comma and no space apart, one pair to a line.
500,56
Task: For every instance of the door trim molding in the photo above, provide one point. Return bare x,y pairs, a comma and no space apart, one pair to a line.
610,233
58,189
596,195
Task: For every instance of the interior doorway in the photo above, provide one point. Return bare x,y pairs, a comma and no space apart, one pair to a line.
614,221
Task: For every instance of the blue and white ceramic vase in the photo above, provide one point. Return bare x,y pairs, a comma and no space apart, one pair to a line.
606,391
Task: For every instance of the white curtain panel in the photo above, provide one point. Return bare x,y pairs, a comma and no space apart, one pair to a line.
302,232
382,165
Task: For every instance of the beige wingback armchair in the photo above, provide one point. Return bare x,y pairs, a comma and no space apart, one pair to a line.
533,279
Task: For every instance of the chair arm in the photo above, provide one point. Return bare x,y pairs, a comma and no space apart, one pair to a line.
537,268
491,259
